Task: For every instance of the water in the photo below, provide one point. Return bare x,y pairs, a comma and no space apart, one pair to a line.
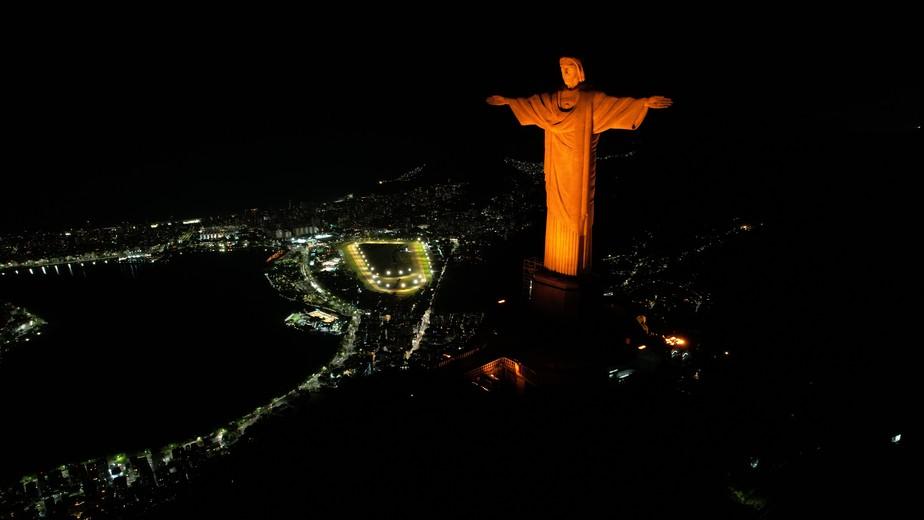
137,356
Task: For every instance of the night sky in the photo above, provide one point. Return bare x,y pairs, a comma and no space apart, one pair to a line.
151,120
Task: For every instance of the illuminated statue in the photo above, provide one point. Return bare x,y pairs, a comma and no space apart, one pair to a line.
573,119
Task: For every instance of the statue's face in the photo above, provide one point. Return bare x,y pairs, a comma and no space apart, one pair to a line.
569,73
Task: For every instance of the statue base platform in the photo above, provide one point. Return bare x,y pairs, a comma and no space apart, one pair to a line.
556,295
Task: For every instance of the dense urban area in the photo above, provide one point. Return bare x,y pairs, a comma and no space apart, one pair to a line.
336,260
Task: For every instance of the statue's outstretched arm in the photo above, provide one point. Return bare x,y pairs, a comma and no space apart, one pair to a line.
497,101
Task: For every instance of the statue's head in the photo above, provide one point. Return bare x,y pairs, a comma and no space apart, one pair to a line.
572,72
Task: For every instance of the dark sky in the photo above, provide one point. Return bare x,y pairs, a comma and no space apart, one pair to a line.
153,119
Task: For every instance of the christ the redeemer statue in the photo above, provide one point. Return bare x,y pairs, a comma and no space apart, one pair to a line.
573,120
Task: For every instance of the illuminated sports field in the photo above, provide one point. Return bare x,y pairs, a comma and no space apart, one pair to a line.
390,266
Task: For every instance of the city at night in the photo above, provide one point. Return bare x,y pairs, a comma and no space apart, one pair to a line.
285,271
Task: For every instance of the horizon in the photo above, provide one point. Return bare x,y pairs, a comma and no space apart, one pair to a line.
169,127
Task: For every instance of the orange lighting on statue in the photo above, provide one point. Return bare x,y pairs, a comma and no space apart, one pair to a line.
573,119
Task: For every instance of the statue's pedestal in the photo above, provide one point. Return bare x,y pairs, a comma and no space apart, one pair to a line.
560,296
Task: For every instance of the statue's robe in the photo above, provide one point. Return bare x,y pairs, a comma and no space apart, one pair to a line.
571,138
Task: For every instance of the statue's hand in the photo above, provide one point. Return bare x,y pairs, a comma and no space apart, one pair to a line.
497,101
658,102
